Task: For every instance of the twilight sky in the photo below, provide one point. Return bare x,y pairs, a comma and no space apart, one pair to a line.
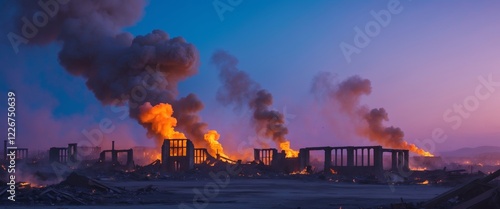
430,58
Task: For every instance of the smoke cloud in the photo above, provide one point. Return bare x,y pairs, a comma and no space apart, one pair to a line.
121,69
345,97
240,90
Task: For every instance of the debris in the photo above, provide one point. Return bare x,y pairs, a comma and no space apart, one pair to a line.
474,194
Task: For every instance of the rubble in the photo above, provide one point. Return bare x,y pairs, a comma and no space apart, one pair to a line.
478,193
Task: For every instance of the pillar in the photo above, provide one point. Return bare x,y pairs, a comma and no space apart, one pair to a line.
165,154
114,154
130,157
368,156
256,155
335,157
406,164
400,160
350,156
328,160
362,156
394,160
303,158
378,161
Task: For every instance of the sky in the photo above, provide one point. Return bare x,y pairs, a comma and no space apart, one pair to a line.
427,59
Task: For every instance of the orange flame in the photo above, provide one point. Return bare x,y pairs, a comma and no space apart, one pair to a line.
212,137
415,149
424,182
418,168
161,120
163,123
290,153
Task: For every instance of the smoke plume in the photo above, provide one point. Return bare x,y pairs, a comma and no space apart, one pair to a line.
346,96
240,90
121,69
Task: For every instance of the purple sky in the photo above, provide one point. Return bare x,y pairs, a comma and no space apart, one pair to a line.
425,61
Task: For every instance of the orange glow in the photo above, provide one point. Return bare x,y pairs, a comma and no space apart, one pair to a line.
212,137
418,168
424,183
163,123
333,171
290,153
157,156
303,171
415,149
161,120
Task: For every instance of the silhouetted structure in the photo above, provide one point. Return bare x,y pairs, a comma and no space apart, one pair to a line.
114,156
178,155
64,154
21,153
348,160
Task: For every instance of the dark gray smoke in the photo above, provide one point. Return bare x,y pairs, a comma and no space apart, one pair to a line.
345,97
121,69
346,93
388,136
240,90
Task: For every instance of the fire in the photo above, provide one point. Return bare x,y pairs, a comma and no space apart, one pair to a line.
290,153
424,182
303,172
161,120
415,149
212,137
418,168
163,123
333,171
157,156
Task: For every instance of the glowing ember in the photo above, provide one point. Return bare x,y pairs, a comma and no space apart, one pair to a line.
303,171
24,184
290,153
212,137
333,171
424,182
418,168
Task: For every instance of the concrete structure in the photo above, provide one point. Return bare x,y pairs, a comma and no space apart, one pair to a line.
349,160
265,156
58,154
114,156
276,160
21,153
178,155
64,154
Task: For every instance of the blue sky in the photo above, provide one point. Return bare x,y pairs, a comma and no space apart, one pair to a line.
428,58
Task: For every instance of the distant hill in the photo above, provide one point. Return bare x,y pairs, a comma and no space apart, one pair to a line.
482,151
